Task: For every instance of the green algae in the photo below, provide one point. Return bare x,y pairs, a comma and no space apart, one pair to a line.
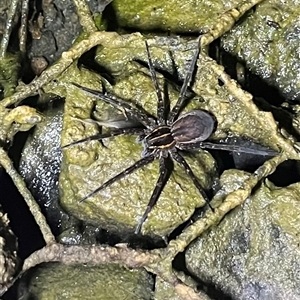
58,281
176,16
254,245
268,42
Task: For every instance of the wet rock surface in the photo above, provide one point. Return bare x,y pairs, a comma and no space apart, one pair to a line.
254,251
268,42
55,27
40,163
171,15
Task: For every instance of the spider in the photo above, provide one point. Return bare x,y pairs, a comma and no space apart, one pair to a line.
165,136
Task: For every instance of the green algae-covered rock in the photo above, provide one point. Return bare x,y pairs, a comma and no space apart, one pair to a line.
57,281
174,15
268,42
9,66
254,251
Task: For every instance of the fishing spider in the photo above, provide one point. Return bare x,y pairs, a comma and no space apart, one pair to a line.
164,136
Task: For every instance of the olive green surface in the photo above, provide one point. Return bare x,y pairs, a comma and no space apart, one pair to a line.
174,15
254,251
109,282
268,42
9,66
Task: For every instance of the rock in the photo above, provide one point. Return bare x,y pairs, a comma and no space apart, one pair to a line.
9,261
254,251
59,281
268,42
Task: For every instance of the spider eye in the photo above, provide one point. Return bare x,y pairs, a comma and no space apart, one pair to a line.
192,127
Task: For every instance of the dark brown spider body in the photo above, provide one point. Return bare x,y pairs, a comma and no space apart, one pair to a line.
164,137
192,127
159,139
195,126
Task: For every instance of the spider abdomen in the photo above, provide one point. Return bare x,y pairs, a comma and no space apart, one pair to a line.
160,138
192,127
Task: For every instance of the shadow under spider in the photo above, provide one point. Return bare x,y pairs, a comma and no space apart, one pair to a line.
164,136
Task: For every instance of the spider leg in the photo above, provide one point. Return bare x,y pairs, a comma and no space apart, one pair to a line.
105,135
119,103
160,104
174,112
191,174
161,182
226,147
139,164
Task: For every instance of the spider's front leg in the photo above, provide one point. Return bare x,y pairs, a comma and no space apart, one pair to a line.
191,174
132,111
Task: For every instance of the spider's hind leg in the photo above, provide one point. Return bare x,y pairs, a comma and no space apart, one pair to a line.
263,151
165,173
139,164
191,174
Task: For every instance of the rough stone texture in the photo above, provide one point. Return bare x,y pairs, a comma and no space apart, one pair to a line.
170,15
60,26
58,281
254,252
9,262
268,42
165,291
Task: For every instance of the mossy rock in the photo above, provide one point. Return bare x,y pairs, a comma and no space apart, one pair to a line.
254,252
59,281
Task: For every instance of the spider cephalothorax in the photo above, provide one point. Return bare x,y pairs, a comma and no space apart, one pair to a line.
163,136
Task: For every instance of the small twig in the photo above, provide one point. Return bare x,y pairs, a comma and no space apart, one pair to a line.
85,17
231,201
8,28
92,254
62,64
23,27
186,292
33,206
